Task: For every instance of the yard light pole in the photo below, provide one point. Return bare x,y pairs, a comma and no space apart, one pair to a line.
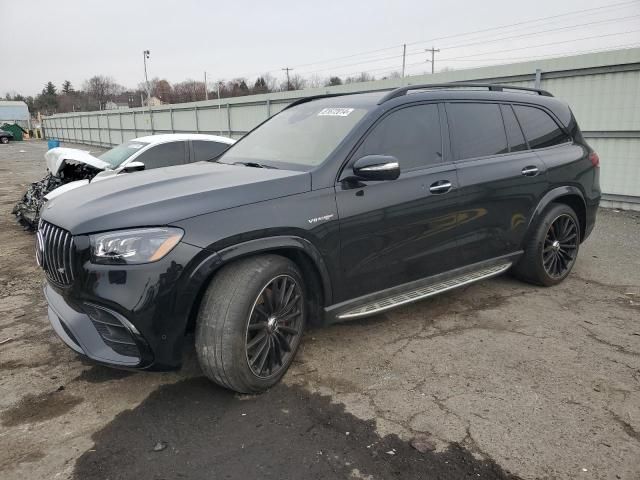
145,56
219,105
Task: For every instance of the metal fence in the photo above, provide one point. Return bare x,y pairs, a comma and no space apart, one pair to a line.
603,90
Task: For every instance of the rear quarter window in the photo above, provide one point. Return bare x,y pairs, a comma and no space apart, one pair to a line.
514,133
206,150
539,128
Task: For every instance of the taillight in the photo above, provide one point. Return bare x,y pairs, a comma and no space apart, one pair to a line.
595,159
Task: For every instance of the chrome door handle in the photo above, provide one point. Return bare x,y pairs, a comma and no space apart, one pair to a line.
439,187
531,171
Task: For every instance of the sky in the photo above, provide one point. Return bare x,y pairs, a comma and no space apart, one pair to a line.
76,39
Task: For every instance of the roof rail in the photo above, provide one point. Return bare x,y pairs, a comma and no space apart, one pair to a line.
398,92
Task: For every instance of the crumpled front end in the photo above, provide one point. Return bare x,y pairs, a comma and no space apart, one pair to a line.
65,165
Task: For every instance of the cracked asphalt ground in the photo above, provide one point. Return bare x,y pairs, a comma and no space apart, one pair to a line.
502,378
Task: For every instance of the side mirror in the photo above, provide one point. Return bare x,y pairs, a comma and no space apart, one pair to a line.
377,167
133,167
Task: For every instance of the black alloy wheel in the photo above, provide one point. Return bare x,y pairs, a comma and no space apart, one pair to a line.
275,326
560,246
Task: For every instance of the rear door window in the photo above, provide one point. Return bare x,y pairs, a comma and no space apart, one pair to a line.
476,130
163,155
514,133
205,150
411,134
539,128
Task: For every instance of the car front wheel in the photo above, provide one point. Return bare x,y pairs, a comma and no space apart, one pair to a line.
251,322
4,140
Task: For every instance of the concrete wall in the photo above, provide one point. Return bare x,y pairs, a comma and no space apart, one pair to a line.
603,90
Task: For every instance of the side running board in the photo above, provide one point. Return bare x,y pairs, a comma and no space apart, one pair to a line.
403,298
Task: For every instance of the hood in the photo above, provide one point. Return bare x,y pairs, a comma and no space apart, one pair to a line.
163,196
105,174
57,157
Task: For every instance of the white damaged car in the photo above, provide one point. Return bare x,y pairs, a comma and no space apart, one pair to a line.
142,153
70,168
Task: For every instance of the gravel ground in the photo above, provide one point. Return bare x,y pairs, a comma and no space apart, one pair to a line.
496,380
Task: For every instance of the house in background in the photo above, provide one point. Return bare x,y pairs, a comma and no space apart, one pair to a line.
153,102
111,105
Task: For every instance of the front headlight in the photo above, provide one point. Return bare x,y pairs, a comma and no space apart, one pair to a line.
142,245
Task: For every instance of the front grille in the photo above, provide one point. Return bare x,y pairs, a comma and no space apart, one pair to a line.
57,253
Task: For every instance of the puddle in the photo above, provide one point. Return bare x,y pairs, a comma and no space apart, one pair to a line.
194,429
37,408
100,374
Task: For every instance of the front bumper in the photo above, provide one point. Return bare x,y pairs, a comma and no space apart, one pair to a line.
128,316
113,341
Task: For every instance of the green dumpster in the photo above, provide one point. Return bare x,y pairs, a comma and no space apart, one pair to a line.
15,129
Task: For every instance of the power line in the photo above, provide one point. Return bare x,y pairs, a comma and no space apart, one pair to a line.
420,52
568,27
614,5
588,11
388,69
535,57
545,44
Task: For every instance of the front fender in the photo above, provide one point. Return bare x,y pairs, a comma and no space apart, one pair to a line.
208,262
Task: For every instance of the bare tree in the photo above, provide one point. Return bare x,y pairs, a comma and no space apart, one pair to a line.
333,81
162,90
392,76
188,91
363,77
315,81
296,82
101,88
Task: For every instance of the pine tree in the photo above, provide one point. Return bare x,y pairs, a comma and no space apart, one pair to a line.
49,89
67,88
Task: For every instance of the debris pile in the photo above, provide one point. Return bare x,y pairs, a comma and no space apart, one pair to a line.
27,210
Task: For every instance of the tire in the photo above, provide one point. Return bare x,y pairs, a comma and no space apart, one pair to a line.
239,310
550,253
4,140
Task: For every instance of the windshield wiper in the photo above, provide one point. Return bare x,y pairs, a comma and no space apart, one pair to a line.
254,165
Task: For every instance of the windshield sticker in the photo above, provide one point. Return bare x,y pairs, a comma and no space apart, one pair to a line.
135,146
335,112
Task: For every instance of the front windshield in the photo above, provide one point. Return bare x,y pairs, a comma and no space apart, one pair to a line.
119,154
299,137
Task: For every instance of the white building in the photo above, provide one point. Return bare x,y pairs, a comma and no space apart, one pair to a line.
15,112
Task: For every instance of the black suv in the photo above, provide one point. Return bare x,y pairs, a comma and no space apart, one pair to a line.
338,207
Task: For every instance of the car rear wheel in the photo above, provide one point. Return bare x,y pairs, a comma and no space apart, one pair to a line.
251,322
4,140
552,250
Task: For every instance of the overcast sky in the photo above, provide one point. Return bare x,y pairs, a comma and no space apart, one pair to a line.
76,39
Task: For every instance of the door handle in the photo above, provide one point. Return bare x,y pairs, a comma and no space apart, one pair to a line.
440,187
530,171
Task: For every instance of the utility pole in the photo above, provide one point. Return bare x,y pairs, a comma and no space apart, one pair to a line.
404,57
206,90
287,69
433,58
